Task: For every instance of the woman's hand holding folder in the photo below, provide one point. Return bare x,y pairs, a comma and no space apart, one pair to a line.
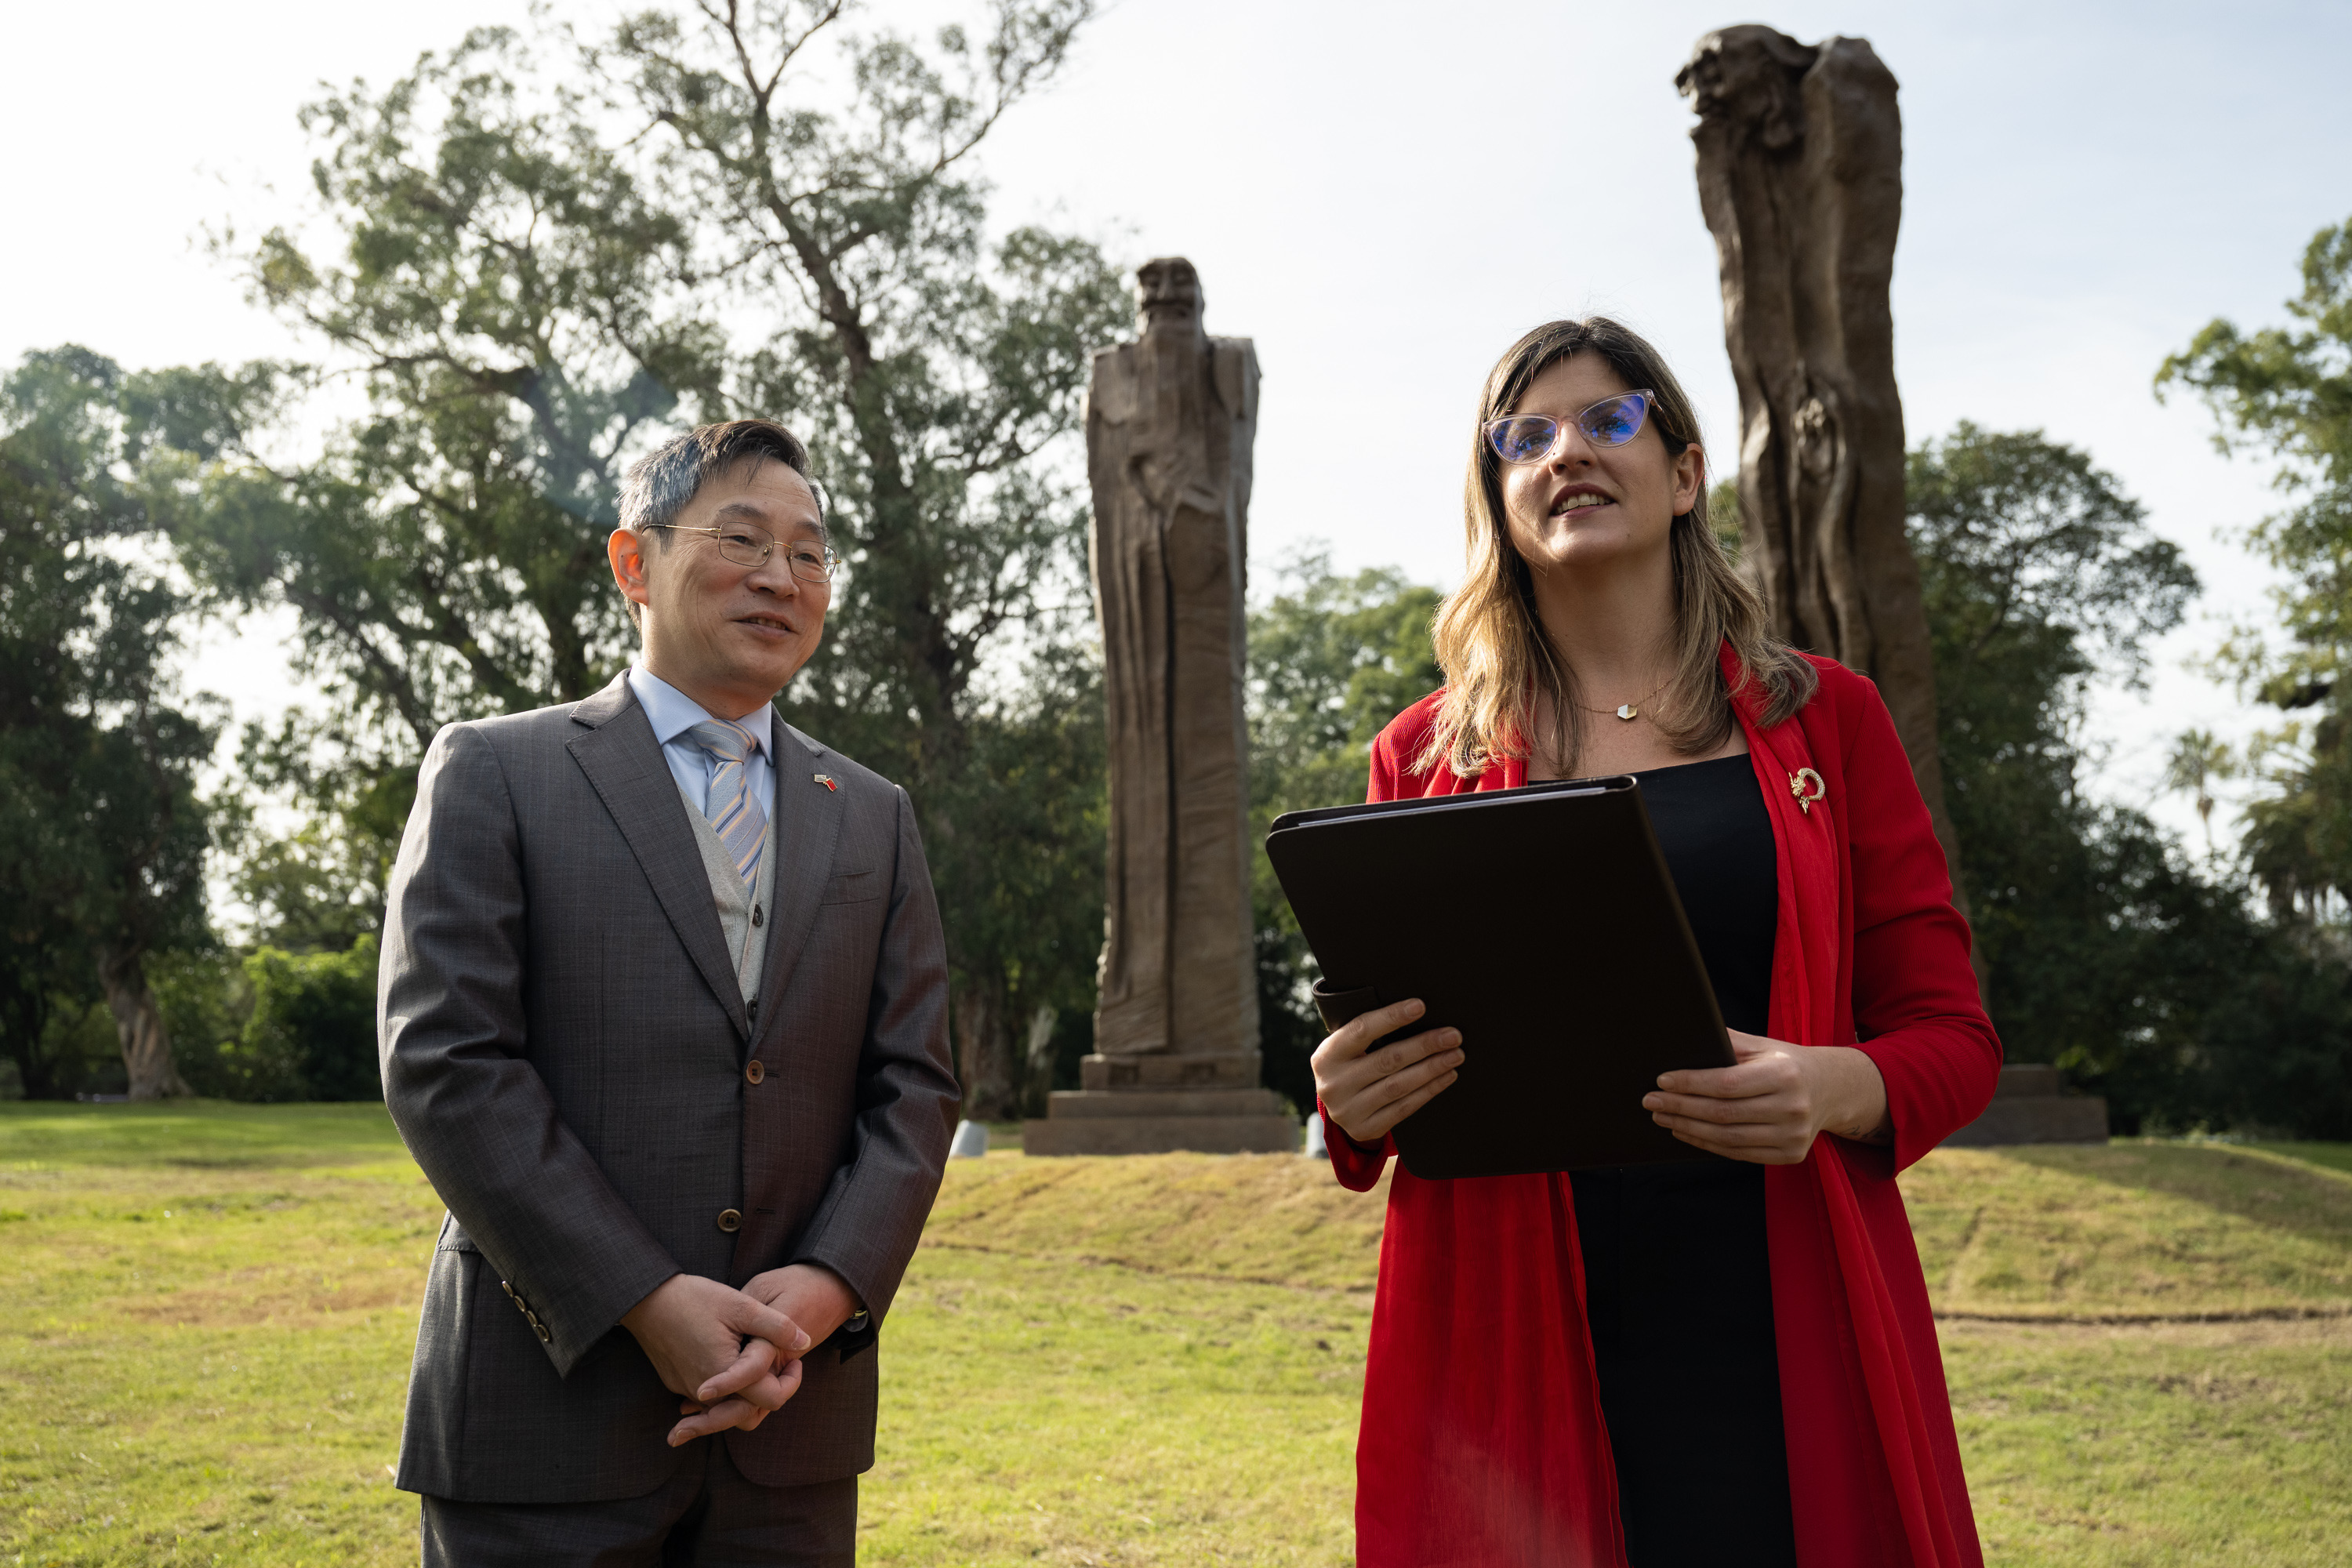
1771,1107
1367,1092
1767,1109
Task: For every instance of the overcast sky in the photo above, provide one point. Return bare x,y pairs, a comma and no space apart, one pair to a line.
2085,187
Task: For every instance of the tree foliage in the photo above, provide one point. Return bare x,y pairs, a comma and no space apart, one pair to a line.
538,256
1332,658
2286,393
931,368
937,375
2110,953
103,838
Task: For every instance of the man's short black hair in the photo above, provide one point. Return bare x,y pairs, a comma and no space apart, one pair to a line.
659,484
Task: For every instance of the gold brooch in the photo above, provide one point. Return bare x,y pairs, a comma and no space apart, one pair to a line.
1796,788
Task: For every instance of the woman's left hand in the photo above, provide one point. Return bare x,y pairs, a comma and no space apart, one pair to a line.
1769,1108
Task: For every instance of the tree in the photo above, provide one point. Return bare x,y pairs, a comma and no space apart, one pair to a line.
2193,765
103,840
2109,955
935,374
513,308
321,885
2039,575
553,253
312,1031
1332,658
1021,872
2286,393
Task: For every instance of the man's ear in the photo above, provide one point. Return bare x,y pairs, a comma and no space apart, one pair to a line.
627,553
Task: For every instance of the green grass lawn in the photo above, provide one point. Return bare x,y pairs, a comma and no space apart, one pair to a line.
206,1312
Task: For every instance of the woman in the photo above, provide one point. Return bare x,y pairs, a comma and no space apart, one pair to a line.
1716,1362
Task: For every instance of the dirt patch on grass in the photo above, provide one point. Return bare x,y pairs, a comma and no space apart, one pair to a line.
274,1304
2334,1331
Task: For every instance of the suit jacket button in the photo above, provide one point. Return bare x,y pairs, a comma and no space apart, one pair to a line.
730,1219
754,1070
544,1337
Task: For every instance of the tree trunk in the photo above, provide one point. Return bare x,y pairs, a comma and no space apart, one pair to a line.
138,1025
1801,179
984,1051
1037,1061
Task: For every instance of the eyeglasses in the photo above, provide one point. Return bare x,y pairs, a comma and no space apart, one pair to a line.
748,546
1532,438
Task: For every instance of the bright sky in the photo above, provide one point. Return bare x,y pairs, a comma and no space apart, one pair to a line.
2086,185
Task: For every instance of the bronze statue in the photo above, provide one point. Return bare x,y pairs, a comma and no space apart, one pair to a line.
1800,178
1170,422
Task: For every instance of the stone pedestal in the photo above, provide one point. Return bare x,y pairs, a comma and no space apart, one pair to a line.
1151,1105
2031,1106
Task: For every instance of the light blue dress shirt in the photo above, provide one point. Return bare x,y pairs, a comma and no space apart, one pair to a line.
673,713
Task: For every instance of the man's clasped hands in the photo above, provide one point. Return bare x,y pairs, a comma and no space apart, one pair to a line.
735,1354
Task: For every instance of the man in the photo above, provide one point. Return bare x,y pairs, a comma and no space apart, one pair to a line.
662,1009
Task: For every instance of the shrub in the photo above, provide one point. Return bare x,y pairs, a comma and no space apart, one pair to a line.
311,1035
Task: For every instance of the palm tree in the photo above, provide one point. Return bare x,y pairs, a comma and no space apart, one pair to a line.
2196,760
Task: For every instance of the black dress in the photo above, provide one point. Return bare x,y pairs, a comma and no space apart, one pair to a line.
1678,1285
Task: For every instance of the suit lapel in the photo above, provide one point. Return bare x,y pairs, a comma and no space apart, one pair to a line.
808,835
623,763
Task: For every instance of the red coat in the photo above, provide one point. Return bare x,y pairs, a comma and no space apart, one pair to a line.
1483,1442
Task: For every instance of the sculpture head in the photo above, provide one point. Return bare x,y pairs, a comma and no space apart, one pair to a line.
1748,76
1167,295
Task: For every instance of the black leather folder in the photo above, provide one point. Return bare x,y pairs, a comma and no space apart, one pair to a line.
1543,923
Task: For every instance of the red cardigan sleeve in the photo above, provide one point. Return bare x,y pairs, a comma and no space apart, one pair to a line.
1358,1166
1916,1012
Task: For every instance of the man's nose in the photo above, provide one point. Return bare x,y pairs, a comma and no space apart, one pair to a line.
774,574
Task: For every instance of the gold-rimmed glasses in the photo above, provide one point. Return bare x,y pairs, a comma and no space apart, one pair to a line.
748,545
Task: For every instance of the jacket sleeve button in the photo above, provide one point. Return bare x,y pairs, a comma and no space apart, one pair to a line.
730,1219
754,1070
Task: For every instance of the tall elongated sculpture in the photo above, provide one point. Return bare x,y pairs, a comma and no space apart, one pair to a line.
1800,178
1170,419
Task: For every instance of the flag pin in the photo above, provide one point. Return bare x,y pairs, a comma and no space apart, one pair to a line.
826,780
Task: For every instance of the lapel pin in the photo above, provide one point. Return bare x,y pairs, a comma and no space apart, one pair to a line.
826,780
1796,788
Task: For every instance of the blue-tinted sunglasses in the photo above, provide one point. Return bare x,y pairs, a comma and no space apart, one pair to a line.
1532,438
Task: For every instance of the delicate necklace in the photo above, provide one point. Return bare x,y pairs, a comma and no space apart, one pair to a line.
1629,711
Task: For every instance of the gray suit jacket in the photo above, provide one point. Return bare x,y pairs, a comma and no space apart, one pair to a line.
568,1054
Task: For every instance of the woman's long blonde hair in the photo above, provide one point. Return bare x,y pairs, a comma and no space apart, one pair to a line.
1490,641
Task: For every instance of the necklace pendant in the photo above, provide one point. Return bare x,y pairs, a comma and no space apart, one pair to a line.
1628,711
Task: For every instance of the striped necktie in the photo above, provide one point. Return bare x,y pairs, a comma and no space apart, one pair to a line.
740,821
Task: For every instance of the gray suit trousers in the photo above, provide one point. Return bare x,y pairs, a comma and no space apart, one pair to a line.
706,1515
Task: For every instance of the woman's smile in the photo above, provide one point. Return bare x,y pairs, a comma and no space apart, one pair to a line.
1581,500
